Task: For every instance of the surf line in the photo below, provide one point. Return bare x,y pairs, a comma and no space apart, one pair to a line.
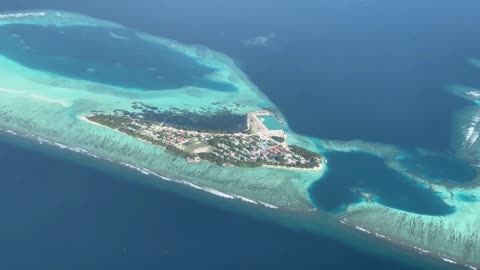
42,98
5,90
37,97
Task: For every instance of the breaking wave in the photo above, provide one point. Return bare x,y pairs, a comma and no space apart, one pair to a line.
143,171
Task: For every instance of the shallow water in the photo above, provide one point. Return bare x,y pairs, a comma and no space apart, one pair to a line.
311,88
64,207
104,55
468,198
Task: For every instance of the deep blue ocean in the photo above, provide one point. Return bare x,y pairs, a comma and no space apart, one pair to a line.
351,69
64,211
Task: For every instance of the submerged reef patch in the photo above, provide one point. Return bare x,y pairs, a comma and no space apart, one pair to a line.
214,118
48,96
97,54
469,198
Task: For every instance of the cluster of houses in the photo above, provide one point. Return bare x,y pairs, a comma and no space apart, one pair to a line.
256,147
232,148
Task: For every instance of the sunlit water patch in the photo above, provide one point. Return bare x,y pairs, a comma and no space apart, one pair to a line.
355,177
113,56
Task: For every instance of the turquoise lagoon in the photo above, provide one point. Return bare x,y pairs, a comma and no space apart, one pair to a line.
97,54
47,88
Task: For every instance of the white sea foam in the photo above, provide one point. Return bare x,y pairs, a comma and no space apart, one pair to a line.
166,178
268,205
142,170
469,133
41,140
344,221
61,145
138,169
115,36
380,236
128,165
362,229
193,185
473,139
422,250
146,171
218,193
79,150
245,199
473,93
449,261
22,15
10,91
92,155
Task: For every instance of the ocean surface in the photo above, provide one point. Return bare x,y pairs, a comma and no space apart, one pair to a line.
366,70
147,67
365,177
61,210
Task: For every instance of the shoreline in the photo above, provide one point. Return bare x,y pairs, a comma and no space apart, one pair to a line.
149,132
51,120
317,168
144,171
415,251
412,248
84,118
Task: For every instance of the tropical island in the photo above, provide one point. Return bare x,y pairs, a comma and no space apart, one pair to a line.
255,147
88,109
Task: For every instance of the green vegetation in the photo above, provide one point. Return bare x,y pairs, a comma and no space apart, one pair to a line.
314,159
111,120
304,152
223,149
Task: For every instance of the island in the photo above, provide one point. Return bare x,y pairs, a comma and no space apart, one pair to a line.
255,147
189,115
